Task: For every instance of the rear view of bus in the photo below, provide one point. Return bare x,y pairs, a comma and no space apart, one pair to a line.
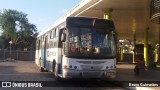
89,49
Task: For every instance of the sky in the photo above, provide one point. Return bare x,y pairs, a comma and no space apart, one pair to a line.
42,13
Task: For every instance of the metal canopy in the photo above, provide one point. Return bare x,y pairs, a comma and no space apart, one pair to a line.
128,16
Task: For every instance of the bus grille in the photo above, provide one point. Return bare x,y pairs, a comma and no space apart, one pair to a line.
92,62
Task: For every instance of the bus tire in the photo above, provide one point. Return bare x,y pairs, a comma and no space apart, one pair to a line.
54,66
57,78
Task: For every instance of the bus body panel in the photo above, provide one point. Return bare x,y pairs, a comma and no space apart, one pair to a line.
53,54
37,57
88,68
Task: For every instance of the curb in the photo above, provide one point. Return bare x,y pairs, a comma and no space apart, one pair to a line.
8,59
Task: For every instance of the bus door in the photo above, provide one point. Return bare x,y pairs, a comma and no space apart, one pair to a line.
62,37
44,54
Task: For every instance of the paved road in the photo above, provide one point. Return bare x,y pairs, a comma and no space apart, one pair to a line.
22,71
28,71
125,73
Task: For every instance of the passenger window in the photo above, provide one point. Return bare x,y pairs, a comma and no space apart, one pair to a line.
52,34
39,44
56,32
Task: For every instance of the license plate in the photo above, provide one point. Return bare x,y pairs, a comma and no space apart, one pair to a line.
110,74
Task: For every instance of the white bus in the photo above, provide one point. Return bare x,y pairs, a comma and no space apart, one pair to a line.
80,47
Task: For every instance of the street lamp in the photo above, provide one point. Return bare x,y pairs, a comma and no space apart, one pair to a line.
10,42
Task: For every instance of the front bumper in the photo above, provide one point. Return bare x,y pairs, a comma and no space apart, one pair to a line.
68,73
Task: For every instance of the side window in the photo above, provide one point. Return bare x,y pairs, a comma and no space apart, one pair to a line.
53,34
53,42
46,42
41,42
42,38
38,44
56,32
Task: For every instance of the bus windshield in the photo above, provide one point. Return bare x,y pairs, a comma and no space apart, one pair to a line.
90,43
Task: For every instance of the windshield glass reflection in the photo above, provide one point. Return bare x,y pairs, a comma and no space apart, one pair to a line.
90,42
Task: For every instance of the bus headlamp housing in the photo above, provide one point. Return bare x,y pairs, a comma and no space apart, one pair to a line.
65,67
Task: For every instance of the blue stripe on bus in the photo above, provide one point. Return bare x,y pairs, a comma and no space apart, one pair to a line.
49,65
59,69
43,54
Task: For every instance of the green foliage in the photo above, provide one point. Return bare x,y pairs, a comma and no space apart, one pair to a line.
16,28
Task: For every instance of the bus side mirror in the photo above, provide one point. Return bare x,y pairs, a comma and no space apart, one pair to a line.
63,37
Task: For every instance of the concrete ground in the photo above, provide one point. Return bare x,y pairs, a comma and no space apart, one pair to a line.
125,73
13,70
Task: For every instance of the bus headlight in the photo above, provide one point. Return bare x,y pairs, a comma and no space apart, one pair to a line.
64,66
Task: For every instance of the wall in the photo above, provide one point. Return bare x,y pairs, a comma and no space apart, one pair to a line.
18,55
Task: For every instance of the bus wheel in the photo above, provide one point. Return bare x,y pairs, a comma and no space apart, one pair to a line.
57,78
54,66
42,69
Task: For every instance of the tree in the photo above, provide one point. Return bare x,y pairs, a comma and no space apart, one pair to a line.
1,42
16,28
